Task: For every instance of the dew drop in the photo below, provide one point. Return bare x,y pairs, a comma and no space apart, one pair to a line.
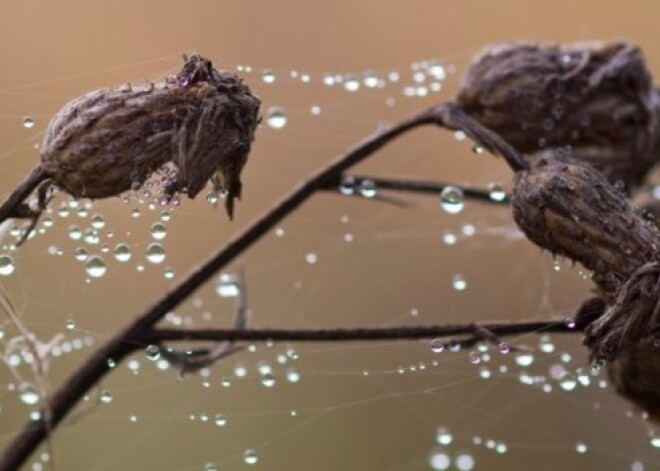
368,188
158,231
70,324
268,76
474,358
227,286
351,83
105,397
28,122
268,380
155,253
451,199
655,442
311,258
443,436
122,253
496,192
152,352
464,462
439,461
95,266
478,150
315,110
524,359
581,447
437,345
347,186
7,265
220,420
250,457
370,79
28,394
292,375
168,274
459,283
98,222
504,348
276,117
75,233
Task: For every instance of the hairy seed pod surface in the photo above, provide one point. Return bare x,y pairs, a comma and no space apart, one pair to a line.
570,209
109,141
593,100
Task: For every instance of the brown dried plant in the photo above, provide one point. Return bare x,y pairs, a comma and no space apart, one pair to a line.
111,140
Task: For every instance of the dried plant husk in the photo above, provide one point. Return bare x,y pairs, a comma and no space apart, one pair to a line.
635,373
592,100
569,208
109,141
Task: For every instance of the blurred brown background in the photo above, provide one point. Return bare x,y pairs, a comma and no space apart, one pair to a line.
357,406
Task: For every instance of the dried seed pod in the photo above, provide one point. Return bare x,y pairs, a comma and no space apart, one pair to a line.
570,209
635,373
109,141
594,100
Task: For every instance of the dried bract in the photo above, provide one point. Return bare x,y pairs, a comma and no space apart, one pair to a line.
593,100
109,141
570,209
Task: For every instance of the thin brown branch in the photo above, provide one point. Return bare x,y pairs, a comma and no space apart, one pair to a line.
500,329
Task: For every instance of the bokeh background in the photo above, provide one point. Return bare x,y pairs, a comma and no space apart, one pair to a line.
337,261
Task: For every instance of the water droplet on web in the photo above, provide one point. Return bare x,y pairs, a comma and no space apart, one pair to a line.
268,380
437,70
504,348
437,345
122,253
70,324
439,461
570,323
211,467
28,394
95,266
152,352
443,436
464,462
351,83
368,188
92,237
105,397
311,258
28,122
250,457
451,199
220,420
556,265
155,253
655,441
581,447
135,213
328,80
292,375
315,110
268,76
459,283
347,186
276,117
228,286
496,192
168,274
370,79
524,359
7,265
158,231
75,233
98,222
474,358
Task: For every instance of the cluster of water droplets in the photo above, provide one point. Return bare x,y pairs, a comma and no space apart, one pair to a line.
419,80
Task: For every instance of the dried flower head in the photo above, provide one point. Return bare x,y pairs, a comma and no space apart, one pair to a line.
109,141
569,208
592,100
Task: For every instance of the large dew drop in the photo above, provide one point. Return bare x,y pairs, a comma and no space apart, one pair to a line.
28,122
29,394
122,253
155,253
276,117
228,286
95,266
7,265
451,199
250,457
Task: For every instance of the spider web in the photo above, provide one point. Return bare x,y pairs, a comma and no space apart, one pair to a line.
340,260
